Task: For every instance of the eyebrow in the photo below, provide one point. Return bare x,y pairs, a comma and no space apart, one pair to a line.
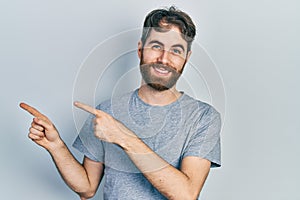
160,43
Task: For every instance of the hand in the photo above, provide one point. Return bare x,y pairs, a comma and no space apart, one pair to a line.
106,127
42,131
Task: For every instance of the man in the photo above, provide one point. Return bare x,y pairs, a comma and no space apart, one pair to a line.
152,143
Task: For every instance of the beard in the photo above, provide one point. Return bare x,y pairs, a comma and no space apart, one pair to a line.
156,82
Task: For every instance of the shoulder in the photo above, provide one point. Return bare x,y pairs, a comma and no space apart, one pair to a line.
202,109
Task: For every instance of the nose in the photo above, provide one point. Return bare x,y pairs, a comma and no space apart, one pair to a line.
164,57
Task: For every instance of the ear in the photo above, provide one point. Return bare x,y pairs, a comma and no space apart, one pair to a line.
140,49
188,55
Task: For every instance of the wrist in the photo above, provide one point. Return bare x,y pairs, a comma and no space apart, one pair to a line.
128,141
134,145
56,146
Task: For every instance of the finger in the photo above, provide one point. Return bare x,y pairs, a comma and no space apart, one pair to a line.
43,123
87,108
34,137
32,111
36,132
37,127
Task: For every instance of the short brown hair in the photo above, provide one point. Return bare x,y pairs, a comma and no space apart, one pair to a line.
170,16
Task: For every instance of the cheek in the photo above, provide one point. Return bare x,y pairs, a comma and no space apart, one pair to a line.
149,56
179,64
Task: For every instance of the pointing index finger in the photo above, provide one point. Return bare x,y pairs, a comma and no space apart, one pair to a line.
32,111
87,108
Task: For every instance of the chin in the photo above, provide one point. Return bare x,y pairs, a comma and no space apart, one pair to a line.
158,87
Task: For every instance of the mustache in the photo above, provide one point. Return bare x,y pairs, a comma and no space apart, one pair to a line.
161,66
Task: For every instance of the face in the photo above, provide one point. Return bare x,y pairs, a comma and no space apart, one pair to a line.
163,57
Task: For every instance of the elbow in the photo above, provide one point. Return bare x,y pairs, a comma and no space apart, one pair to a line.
188,195
86,195
192,197
184,196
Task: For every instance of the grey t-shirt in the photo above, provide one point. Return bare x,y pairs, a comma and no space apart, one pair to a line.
187,127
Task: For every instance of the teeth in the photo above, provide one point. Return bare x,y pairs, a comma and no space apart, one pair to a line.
160,70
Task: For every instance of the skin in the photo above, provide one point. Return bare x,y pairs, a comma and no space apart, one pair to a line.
183,183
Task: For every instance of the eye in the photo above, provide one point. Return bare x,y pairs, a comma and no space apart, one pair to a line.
176,51
156,47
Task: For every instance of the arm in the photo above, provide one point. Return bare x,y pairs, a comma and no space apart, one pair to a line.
185,183
81,178
94,172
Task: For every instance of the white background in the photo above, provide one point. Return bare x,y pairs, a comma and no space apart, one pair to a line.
254,44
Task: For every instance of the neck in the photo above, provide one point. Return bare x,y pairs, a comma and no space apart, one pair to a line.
158,98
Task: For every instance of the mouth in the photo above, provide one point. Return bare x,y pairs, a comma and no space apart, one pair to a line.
161,70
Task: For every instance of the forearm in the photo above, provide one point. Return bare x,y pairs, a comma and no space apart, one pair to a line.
72,172
43,132
169,181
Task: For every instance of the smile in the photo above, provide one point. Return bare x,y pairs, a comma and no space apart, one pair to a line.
161,71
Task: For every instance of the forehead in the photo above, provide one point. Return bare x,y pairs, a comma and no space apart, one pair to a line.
168,37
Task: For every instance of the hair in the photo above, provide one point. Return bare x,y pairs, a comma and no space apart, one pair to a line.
163,19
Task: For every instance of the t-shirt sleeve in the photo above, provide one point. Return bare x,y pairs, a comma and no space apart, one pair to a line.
205,141
87,143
